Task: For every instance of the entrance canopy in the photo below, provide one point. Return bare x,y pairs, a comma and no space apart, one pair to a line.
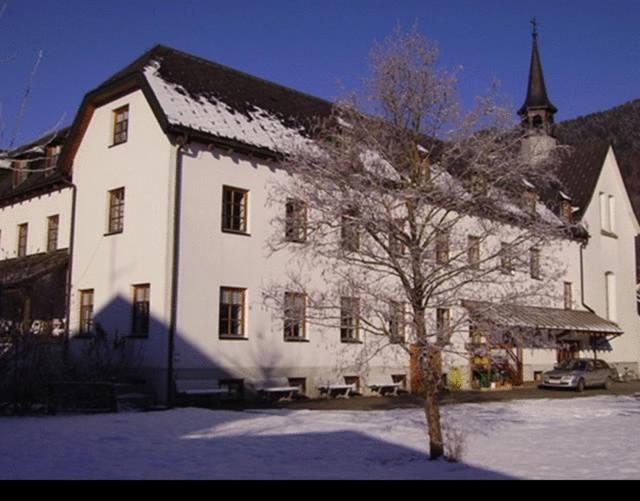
21,270
585,327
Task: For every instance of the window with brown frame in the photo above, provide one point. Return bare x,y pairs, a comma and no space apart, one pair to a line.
350,231
120,125
53,152
23,232
234,209
116,211
478,185
443,317
349,319
568,296
295,221
231,315
86,312
442,247
473,252
53,223
295,314
534,263
20,172
567,211
529,201
396,322
506,258
140,310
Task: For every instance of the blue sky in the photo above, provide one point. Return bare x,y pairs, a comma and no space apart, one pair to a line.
590,49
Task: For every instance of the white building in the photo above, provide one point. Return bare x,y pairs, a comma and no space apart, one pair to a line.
170,159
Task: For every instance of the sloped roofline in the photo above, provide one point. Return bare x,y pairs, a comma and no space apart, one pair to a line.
132,78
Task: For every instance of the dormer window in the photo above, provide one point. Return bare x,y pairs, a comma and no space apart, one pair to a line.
53,152
529,200
478,185
19,172
566,211
120,125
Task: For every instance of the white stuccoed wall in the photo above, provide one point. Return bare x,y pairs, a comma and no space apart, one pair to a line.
35,212
616,254
111,264
210,258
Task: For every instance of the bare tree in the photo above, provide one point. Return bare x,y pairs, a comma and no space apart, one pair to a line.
410,209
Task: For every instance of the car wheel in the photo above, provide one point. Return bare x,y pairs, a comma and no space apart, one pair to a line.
607,384
580,387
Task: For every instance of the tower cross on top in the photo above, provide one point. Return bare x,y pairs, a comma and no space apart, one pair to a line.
535,25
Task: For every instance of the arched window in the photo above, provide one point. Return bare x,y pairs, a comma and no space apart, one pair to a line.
610,291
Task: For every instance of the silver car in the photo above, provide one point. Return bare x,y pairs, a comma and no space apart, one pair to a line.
578,374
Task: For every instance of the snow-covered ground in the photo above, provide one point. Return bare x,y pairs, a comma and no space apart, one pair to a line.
579,438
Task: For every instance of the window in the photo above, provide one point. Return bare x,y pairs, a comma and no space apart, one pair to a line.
396,322
443,323
612,214
23,230
53,152
20,173
140,313
610,290
475,335
231,313
350,231
397,248
300,382
116,211
234,209
52,232
478,185
506,258
400,379
566,211
473,252
295,305
604,212
568,299
86,312
120,125
534,263
296,221
353,380
349,319
234,386
529,200
442,247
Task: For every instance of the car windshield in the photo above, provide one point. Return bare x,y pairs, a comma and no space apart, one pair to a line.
573,365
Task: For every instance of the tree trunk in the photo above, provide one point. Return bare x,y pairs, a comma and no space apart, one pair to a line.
431,406
432,370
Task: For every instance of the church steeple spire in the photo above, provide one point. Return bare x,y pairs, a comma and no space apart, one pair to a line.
537,111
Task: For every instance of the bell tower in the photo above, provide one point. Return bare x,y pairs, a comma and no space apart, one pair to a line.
537,112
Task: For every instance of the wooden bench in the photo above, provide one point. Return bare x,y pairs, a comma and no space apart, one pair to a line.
384,388
195,389
336,390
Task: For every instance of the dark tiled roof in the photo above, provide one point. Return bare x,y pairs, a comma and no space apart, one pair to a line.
579,171
36,182
240,91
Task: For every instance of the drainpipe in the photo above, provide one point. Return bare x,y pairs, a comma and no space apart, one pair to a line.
181,142
591,337
72,232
